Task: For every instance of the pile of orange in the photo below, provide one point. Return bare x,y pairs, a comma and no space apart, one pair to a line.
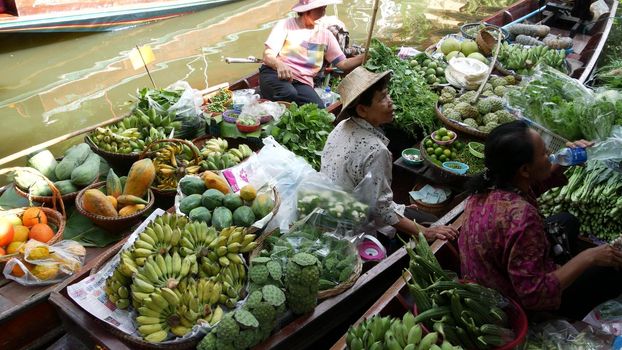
15,230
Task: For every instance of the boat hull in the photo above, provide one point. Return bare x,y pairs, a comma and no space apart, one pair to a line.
104,19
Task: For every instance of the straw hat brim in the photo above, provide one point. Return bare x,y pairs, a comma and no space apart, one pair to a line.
313,5
354,85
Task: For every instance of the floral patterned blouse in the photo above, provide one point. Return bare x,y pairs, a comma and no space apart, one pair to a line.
354,149
503,246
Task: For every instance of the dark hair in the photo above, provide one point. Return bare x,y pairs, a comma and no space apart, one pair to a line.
508,147
367,97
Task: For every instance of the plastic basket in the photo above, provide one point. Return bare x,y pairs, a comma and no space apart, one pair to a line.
552,141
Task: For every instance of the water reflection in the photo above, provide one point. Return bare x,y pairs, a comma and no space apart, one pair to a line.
52,84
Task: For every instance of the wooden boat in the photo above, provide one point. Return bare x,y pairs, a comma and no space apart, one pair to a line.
21,16
589,36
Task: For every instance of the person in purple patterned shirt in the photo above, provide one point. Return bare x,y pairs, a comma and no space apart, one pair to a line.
503,242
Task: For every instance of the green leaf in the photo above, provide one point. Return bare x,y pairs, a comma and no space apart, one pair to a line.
82,230
11,200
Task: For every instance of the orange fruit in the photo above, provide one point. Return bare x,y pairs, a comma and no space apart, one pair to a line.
41,232
6,233
14,247
20,233
33,216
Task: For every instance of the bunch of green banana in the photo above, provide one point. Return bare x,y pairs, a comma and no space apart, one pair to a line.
172,162
522,59
117,288
156,239
230,242
118,140
217,156
196,238
214,145
233,280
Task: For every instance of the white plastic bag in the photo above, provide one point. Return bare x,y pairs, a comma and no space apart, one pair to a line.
464,72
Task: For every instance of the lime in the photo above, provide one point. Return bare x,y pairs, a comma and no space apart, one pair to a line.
438,151
429,150
440,71
447,153
433,157
445,138
429,143
432,64
441,131
426,62
454,155
442,158
451,134
430,71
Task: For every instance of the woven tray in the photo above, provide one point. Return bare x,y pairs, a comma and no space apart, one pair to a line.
117,223
133,342
323,294
458,127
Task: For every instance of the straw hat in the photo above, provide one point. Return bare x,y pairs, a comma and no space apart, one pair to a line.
354,84
306,5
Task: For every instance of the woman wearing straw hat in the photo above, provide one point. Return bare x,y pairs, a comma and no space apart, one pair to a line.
294,54
357,146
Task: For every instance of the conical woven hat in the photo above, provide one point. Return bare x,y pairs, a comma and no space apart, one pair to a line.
354,84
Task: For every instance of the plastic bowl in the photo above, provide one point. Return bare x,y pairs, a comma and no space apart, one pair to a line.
230,115
456,167
444,143
247,128
410,152
473,148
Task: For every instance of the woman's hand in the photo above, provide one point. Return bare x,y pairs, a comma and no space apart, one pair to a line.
579,144
440,232
283,71
603,255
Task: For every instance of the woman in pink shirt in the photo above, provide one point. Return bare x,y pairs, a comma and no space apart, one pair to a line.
503,240
294,54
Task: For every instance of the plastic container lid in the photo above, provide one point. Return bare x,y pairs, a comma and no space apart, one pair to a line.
371,249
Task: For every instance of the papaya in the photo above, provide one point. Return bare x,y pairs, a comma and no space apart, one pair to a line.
141,176
65,186
74,157
113,184
200,214
113,201
243,216
45,162
131,209
95,202
191,185
189,203
232,201
211,180
222,218
262,205
87,172
212,198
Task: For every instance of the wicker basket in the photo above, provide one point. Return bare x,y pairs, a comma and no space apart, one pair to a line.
67,198
120,162
134,342
112,224
438,209
459,127
323,294
485,41
465,27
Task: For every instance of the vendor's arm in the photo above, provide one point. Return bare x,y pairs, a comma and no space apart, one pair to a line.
273,46
379,163
350,63
603,255
271,60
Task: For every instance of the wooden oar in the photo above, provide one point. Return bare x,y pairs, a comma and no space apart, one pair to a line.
371,30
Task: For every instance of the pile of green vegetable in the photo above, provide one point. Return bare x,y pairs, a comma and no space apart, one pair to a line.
413,101
467,314
594,195
564,106
220,101
304,130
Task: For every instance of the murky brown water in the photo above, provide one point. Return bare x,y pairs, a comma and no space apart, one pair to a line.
52,84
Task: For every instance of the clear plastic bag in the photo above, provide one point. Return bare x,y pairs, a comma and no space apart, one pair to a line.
257,109
607,316
608,149
560,334
44,264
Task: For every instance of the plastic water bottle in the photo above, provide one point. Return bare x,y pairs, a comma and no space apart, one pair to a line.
327,97
569,156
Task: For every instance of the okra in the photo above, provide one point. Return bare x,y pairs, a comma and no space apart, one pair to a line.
438,311
492,329
448,332
488,340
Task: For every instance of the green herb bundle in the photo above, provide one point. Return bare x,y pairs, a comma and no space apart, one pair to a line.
303,130
413,101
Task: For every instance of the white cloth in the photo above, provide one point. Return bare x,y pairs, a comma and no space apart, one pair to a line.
355,148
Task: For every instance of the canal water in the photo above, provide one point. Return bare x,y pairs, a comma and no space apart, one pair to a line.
55,83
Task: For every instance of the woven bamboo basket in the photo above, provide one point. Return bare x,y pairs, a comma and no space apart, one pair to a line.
112,224
120,162
135,342
458,127
323,294
66,198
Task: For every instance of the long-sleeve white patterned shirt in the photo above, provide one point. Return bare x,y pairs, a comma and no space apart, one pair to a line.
354,149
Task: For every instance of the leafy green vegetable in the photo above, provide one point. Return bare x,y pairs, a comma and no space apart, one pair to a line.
414,103
303,130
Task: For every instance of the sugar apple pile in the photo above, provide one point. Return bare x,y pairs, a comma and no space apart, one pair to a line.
302,278
248,326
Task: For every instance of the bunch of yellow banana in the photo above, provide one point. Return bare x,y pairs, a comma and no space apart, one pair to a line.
157,238
230,242
214,145
117,288
172,162
196,238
